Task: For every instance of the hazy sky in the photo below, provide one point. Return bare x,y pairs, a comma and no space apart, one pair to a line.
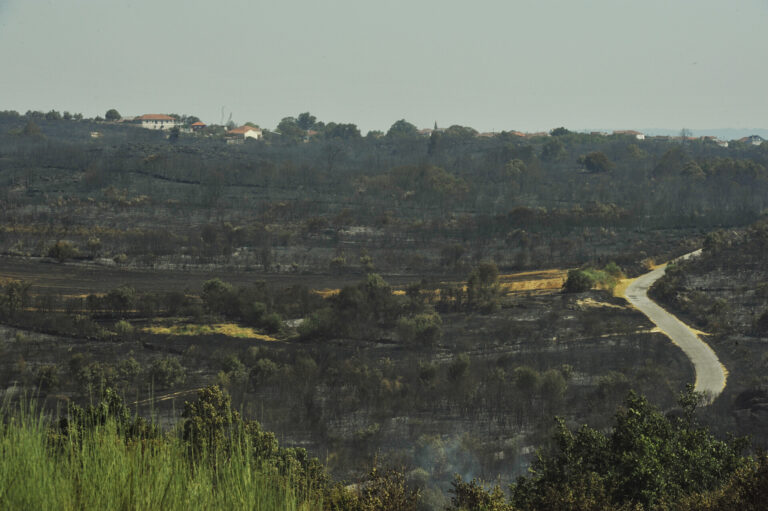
489,64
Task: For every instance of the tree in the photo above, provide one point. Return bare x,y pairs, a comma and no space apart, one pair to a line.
306,121
578,281
31,130
596,162
559,132
218,296
553,149
341,131
112,115
646,459
402,128
289,128
62,250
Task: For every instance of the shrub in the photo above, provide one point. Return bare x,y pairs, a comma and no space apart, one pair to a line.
424,328
62,250
578,281
167,372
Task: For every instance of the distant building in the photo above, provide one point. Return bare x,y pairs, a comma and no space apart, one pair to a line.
157,121
636,134
197,126
714,140
241,134
752,139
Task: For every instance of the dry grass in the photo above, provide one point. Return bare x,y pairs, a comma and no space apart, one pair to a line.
591,303
620,290
542,281
228,329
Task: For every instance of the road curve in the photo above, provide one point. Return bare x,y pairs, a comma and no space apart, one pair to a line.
710,373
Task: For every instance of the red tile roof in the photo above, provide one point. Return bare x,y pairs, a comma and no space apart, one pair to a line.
242,130
198,123
156,117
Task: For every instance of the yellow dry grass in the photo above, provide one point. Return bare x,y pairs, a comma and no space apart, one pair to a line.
621,288
589,302
228,329
541,281
325,293
547,280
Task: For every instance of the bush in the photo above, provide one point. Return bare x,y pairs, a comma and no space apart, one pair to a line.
578,281
425,328
62,250
123,329
272,323
167,372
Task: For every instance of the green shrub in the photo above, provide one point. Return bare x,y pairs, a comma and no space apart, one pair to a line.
62,250
167,372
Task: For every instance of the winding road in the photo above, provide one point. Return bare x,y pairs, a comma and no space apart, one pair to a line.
710,373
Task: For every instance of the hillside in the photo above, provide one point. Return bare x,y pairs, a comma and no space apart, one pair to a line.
724,293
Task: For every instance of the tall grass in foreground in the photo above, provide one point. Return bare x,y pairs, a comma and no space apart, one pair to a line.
104,472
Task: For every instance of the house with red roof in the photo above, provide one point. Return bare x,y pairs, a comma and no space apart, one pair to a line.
241,134
197,126
157,121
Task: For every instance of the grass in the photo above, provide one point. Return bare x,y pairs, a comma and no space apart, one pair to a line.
106,472
191,329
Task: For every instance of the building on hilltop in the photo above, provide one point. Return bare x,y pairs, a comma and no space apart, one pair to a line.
752,139
241,134
157,121
631,133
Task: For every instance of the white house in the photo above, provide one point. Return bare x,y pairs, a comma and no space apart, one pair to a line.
631,133
752,139
157,121
243,133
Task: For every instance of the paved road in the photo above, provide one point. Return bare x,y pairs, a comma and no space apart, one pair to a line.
710,373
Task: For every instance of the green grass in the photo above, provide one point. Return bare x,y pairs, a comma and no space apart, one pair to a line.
106,472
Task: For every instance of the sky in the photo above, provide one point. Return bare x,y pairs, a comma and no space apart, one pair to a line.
490,64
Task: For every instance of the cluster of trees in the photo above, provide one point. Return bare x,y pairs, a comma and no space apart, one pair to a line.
647,461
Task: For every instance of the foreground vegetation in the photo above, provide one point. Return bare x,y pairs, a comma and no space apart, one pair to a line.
103,458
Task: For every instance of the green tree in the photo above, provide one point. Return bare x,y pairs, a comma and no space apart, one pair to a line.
290,129
112,115
167,372
306,121
62,250
596,161
553,150
341,131
31,130
402,128
559,132
647,458
218,297
578,281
